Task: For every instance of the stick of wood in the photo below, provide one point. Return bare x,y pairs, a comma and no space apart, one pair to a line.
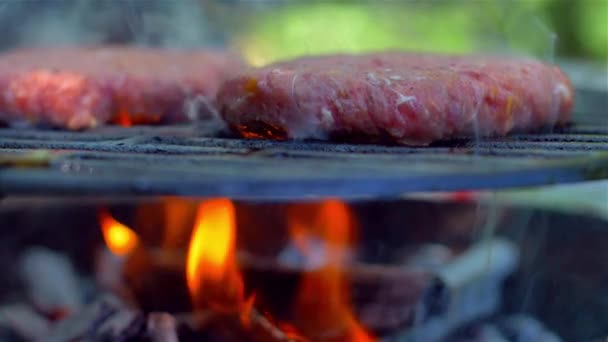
268,328
176,259
259,325
195,320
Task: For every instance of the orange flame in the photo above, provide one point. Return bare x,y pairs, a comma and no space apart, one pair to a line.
179,215
323,303
174,216
124,118
213,277
119,238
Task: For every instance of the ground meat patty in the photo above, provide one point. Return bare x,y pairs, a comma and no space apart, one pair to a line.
402,97
82,87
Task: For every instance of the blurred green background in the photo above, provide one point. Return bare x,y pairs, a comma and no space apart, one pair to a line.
573,29
268,30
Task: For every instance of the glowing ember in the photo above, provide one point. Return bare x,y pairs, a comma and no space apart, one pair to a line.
213,276
323,305
125,119
119,238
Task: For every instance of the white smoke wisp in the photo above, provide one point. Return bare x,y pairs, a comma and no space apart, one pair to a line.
201,109
179,24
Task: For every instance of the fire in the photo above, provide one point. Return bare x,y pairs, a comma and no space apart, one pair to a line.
173,216
124,118
119,238
178,219
323,304
213,277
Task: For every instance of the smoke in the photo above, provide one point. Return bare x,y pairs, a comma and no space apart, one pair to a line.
525,30
183,23
284,27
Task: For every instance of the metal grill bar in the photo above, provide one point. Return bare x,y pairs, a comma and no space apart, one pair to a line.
190,160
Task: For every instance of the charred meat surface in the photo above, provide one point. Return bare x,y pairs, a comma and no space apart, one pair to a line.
401,97
83,87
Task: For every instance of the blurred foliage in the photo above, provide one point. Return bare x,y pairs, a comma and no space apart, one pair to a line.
543,28
593,29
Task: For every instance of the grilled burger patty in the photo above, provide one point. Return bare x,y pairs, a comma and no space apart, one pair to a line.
402,97
83,87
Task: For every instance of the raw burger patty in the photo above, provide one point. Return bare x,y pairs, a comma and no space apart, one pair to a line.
401,97
82,87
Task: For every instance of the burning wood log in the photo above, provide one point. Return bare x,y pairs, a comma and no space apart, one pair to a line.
209,263
258,328
386,297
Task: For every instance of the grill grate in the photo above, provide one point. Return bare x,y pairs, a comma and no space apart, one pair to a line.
190,160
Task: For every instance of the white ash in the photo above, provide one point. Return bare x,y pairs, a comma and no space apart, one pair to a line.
50,280
24,322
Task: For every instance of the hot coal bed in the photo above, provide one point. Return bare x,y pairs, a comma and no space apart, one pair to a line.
183,234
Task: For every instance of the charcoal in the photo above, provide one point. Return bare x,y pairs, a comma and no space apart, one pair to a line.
23,321
105,319
50,280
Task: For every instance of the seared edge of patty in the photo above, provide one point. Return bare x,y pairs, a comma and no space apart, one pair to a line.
406,98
